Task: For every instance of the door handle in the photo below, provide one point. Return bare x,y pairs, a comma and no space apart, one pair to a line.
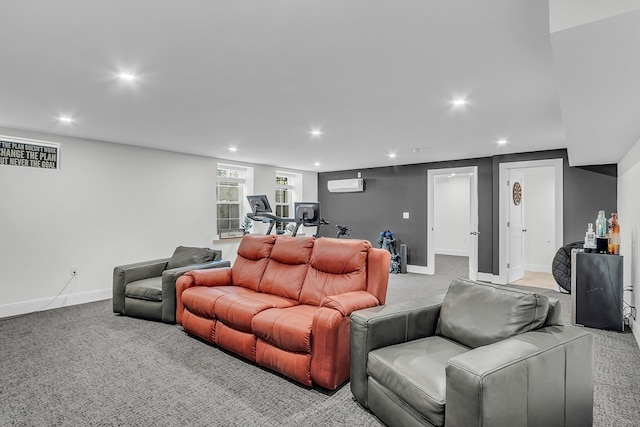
474,233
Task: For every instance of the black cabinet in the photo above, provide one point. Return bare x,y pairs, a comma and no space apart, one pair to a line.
596,290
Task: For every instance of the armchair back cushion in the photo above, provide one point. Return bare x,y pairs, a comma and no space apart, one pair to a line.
337,266
476,315
252,259
184,256
287,266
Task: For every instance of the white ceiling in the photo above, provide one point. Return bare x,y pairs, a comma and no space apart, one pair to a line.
377,77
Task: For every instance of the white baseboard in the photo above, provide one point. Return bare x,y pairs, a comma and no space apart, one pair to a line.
635,329
486,277
453,252
15,309
419,269
538,268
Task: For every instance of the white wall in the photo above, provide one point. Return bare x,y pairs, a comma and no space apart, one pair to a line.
539,218
108,204
629,215
451,215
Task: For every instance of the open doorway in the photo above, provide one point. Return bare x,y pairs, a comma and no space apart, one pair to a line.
531,213
452,216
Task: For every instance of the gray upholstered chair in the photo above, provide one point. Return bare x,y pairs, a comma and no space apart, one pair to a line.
486,356
148,289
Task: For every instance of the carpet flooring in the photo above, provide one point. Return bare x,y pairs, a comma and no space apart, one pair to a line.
85,366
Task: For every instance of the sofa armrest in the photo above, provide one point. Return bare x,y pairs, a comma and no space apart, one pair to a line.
539,378
208,277
386,325
125,274
349,302
169,278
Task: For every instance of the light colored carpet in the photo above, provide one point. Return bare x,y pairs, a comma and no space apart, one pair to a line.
85,366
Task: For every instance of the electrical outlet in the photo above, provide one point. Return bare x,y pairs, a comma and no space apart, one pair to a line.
73,270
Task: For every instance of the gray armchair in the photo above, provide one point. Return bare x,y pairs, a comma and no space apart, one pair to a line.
148,289
486,356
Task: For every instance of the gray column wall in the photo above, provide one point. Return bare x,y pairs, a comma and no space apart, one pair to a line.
390,191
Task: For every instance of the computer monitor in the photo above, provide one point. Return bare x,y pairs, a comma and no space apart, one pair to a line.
259,204
307,213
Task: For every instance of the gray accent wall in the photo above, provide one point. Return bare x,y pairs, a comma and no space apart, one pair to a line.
390,191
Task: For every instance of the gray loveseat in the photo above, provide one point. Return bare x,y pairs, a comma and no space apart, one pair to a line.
486,356
148,289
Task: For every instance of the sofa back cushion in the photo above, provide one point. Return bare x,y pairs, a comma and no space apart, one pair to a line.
184,256
252,259
476,314
287,266
336,266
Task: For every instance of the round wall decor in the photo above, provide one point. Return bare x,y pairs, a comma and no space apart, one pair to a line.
517,193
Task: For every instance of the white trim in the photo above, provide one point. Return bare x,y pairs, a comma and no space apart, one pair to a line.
452,252
486,277
220,179
419,269
44,304
538,268
503,191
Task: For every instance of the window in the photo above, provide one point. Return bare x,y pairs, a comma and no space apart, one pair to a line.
283,199
229,188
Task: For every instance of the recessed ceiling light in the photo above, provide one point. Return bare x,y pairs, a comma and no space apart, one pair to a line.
316,164
65,119
316,132
233,149
459,102
502,141
127,76
392,155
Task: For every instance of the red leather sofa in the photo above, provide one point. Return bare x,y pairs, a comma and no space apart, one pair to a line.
286,303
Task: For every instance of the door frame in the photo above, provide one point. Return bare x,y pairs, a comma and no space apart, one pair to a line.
472,171
505,197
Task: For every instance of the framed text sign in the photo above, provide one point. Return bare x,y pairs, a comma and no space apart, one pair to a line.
29,153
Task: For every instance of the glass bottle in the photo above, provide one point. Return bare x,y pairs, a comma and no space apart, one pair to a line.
590,238
601,225
614,235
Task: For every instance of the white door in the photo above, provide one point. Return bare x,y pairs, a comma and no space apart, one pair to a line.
515,226
473,226
472,171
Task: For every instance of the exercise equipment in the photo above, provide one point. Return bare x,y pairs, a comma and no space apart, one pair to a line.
261,211
308,214
343,231
386,241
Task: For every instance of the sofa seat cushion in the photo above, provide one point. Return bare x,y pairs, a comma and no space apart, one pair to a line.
146,289
238,310
415,372
476,314
286,328
201,300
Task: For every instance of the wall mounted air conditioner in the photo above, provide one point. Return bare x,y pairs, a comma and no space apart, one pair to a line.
346,185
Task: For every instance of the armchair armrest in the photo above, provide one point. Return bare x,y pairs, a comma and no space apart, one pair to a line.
386,325
125,274
349,302
169,278
538,378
